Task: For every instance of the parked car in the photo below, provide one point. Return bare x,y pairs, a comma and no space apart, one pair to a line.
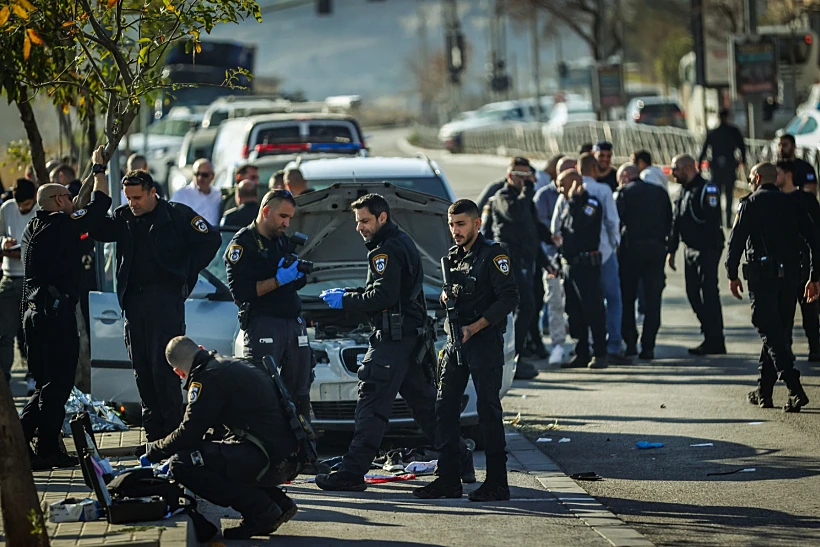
419,174
229,108
338,337
490,116
237,139
659,111
806,129
197,144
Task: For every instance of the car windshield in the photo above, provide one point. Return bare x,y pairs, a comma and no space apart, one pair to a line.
170,128
426,185
217,265
794,125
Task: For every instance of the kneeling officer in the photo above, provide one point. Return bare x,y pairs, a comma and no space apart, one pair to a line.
242,470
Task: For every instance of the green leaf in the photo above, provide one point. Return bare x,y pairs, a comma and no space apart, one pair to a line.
144,41
143,55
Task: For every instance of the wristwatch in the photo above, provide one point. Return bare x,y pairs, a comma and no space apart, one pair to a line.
98,168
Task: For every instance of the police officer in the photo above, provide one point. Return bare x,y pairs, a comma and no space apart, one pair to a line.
243,470
510,218
577,227
51,289
161,248
394,299
646,220
804,176
696,222
485,294
771,227
247,205
266,289
724,140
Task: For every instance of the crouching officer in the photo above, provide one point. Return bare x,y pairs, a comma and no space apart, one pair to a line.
243,469
478,276
577,223
771,227
394,299
51,289
266,290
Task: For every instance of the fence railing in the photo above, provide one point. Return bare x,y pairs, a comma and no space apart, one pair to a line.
535,141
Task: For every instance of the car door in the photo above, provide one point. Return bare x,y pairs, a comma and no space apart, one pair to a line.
210,318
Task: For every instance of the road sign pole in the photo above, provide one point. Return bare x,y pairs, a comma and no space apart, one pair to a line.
754,110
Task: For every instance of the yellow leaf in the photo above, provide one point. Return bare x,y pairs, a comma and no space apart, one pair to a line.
4,15
26,47
19,11
81,101
66,108
171,9
34,37
199,47
69,24
111,3
26,5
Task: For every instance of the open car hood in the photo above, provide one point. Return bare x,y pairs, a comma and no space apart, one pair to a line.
326,218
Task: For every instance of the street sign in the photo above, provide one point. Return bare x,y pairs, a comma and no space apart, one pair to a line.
754,66
608,91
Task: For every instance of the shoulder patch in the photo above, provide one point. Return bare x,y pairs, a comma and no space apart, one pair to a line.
590,207
711,188
380,263
502,262
234,253
810,176
199,224
194,390
79,213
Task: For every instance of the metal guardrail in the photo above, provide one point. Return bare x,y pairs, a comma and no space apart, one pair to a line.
536,141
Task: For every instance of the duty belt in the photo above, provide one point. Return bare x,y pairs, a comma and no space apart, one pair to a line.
592,258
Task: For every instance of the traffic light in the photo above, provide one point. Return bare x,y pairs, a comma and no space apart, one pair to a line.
324,7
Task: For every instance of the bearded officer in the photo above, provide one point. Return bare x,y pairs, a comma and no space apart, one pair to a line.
487,293
394,299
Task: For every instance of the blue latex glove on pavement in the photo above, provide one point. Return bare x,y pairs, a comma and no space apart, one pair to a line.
333,298
644,445
289,274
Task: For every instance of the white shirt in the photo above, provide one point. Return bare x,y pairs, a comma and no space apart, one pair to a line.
206,205
13,224
611,225
542,178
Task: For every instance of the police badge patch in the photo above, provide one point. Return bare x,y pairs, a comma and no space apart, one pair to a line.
502,262
380,263
234,253
193,392
79,213
199,224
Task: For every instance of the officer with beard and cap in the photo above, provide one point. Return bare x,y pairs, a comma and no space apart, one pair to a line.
485,293
803,174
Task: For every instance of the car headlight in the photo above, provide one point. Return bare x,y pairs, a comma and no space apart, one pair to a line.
321,357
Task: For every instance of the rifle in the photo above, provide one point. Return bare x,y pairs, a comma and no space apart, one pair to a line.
302,430
453,325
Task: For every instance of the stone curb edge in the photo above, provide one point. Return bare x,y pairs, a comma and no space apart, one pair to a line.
574,498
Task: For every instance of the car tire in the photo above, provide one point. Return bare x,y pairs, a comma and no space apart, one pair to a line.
474,432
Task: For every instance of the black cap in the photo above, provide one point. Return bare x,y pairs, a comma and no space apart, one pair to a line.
137,178
602,145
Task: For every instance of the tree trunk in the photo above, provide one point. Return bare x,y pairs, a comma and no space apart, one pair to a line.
23,520
38,153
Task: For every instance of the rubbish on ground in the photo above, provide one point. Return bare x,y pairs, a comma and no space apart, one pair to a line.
514,421
103,417
643,445
755,423
702,444
333,463
395,467
421,468
746,470
544,440
523,396
587,476
663,406
553,425
381,479
564,440
74,510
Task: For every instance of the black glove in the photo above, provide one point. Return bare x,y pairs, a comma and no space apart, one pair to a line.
140,450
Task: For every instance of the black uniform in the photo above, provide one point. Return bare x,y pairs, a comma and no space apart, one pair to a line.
580,223
495,296
771,227
510,218
241,216
159,257
803,173
697,223
394,286
243,469
489,191
51,290
724,140
273,325
610,179
646,221
810,311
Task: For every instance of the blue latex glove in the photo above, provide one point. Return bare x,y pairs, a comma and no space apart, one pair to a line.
644,445
144,461
289,274
165,469
333,298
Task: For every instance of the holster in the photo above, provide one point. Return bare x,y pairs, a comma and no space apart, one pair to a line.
764,269
425,352
592,258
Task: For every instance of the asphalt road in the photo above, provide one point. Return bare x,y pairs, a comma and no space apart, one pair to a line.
666,493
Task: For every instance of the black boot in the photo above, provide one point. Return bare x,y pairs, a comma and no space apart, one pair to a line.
263,524
756,397
490,491
524,370
814,351
439,488
467,467
285,503
341,481
797,396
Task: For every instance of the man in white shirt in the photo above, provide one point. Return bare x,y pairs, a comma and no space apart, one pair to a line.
610,239
14,215
199,195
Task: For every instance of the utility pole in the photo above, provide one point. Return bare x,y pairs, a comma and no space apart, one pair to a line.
536,74
454,47
498,77
753,106
424,54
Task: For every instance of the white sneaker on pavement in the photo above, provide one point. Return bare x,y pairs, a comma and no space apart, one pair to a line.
557,355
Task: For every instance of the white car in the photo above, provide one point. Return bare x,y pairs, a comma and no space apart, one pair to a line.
805,128
339,338
491,116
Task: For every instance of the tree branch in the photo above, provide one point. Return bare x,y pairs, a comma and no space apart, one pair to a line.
122,64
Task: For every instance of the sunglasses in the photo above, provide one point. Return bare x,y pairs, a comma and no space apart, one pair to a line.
276,194
521,173
203,175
